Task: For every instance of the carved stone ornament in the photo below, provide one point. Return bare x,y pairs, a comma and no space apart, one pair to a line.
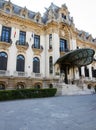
4,45
6,21
22,48
62,33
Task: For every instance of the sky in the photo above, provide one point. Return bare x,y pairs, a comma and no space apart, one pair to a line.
82,11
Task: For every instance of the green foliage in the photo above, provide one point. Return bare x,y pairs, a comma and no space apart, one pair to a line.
26,93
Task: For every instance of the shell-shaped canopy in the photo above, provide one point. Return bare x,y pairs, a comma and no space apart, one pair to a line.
78,57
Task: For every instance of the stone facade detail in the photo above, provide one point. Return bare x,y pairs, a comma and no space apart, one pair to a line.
55,26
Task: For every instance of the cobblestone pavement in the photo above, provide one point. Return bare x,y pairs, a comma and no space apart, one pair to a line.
57,113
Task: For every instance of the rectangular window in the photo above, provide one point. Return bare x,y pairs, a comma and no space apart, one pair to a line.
50,65
22,38
86,72
63,45
79,68
37,41
63,16
50,41
93,72
6,34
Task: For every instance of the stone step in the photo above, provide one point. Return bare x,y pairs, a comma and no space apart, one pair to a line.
67,89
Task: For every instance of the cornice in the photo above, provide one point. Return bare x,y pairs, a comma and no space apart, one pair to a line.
86,42
20,21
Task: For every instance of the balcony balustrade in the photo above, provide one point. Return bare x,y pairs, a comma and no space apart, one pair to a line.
22,45
63,51
37,50
20,74
36,75
4,73
5,43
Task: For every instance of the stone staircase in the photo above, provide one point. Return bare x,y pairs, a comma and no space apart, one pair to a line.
70,89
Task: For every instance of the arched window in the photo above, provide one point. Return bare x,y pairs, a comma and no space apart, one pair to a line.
50,41
37,86
63,16
20,63
7,10
20,86
50,85
3,61
2,86
50,65
36,65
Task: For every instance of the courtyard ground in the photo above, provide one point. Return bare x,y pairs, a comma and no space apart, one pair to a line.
56,113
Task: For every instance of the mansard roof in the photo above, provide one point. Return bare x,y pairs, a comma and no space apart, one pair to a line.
85,36
53,12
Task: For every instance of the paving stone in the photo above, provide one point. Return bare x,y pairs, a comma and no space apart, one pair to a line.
56,113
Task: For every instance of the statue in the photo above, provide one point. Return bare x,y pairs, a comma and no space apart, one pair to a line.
62,76
81,82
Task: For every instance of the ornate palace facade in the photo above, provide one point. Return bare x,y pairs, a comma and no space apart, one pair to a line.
30,45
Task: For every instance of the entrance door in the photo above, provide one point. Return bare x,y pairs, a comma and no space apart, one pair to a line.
64,69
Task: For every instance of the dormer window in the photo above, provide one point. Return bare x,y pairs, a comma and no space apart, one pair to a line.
37,20
37,17
7,10
63,16
8,7
23,15
24,12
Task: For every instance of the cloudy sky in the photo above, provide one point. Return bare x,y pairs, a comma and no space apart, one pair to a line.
82,11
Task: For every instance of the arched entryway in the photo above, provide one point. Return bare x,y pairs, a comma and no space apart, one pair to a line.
75,58
3,60
38,85
20,85
2,85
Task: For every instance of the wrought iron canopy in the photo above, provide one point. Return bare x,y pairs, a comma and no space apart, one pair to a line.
78,57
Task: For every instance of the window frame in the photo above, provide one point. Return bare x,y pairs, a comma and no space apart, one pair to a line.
22,37
3,60
63,44
37,41
20,63
36,65
6,34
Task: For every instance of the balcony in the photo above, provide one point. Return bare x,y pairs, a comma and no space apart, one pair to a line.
22,45
5,43
4,73
63,51
37,50
36,75
20,74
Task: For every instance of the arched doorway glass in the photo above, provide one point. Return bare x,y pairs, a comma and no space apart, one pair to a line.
36,65
3,61
2,86
20,85
20,63
37,86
